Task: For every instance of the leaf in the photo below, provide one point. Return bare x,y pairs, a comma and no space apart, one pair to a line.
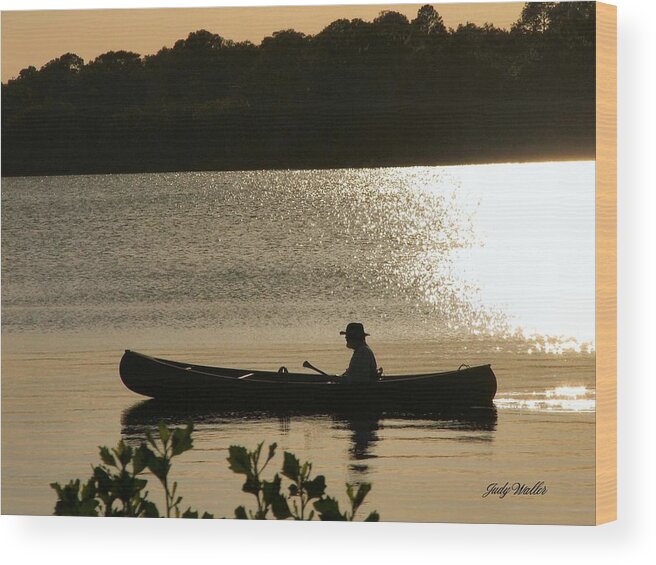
373,517
164,432
125,486
189,513
139,484
88,508
328,509
107,457
316,487
159,466
89,490
149,510
103,480
240,513
181,440
57,488
141,457
272,451
256,454
123,452
290,466
239,460
207,516
271,489
363,490
280,508
251,485
150,439
293,490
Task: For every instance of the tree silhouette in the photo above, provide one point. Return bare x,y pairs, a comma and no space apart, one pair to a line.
67,63
535,17
428,21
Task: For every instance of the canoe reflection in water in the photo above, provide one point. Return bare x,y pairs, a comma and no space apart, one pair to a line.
364,425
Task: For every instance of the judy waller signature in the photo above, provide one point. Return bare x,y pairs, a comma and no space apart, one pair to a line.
517,489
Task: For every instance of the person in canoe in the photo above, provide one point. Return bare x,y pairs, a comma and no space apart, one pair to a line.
363,366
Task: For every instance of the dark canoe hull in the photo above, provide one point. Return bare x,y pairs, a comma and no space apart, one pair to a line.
192,384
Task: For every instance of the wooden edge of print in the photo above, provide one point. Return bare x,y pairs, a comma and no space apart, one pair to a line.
606,265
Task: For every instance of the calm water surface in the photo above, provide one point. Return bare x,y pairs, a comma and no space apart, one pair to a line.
444,265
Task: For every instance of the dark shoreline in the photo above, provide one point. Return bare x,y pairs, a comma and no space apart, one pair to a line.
540,158
200,155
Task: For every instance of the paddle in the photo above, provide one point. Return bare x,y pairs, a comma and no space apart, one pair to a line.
308,365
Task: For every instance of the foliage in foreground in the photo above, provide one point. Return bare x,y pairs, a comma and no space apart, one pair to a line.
117,486
301,491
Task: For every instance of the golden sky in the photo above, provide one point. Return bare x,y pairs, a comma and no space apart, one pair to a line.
35,37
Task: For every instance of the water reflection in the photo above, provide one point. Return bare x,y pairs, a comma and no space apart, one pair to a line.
365,427
364,433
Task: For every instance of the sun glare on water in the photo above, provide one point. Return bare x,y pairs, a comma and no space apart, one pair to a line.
559,399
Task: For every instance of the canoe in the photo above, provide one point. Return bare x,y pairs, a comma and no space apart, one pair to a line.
188,383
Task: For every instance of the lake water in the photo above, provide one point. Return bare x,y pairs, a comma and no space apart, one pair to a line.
444,265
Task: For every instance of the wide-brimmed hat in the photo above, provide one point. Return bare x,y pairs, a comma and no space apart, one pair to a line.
354,329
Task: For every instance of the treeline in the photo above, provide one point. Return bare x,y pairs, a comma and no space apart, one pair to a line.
388,92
